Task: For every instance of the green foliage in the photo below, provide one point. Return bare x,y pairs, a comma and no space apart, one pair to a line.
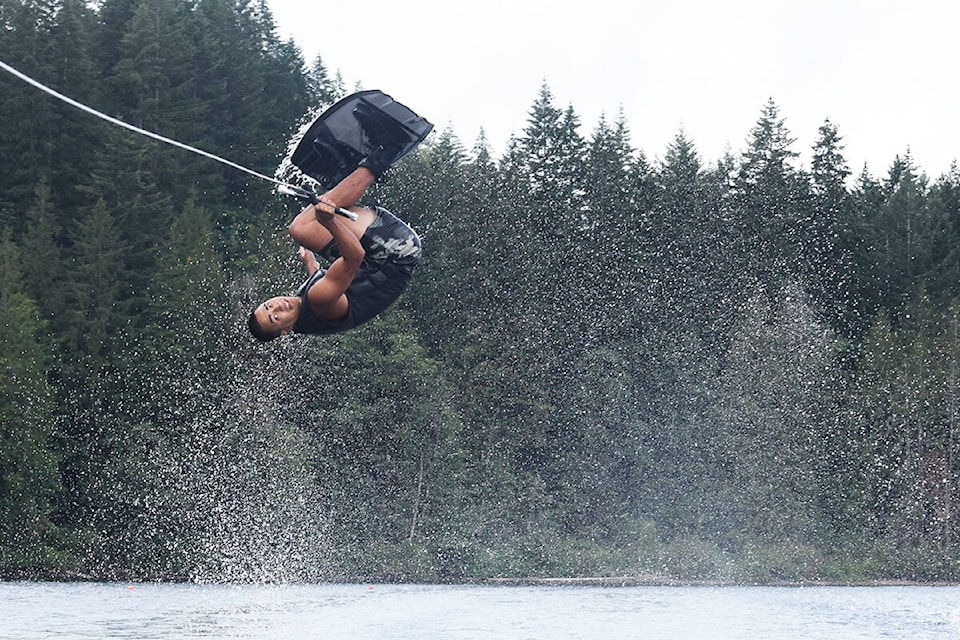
605,365
28,474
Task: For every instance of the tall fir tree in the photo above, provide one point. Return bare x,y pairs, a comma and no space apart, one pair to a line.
43,259
77,76
770,194
944,204
28,46
904,253
29,480
827,251
321,87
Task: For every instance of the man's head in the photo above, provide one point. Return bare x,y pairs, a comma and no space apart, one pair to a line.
274,318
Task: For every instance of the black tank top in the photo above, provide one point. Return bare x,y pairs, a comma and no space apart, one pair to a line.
392,251
371,291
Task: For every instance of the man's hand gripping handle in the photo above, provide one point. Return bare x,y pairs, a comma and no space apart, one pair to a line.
308,195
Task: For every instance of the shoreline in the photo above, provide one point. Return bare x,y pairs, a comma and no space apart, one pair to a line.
660,581
587,581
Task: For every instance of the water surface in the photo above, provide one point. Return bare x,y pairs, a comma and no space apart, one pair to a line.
31,610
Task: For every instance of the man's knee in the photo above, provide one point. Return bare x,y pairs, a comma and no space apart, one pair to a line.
299,229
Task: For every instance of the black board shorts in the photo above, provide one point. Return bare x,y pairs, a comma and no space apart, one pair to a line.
387,242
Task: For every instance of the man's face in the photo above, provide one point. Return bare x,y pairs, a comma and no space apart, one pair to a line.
279,314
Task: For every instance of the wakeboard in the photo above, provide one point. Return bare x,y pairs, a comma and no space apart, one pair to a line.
350,129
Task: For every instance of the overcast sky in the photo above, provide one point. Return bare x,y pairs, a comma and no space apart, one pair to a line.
885,72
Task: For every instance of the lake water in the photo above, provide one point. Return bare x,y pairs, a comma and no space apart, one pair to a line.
45,611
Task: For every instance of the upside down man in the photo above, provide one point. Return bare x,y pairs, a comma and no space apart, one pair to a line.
371,260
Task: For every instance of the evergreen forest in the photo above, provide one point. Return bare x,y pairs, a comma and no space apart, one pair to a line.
611,362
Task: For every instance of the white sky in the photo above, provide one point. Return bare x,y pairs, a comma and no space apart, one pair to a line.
884,71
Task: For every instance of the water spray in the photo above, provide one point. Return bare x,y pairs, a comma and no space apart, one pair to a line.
301,193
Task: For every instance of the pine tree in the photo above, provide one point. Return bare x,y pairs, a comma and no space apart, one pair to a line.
96,286
616,231
28,46
867,243
608,182
550,226
43,256
770,197
829,241
766,163
286,86
904,253
114,16
690,253
899,481
554,149
232,84
322,89
431,190
156,77
76,133
829,168
185,291
540,137
125,185
28,464
99,440
943,280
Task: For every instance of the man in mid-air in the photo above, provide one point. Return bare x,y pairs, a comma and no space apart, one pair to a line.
371,261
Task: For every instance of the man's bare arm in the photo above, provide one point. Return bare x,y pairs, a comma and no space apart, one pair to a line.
309,261
327,297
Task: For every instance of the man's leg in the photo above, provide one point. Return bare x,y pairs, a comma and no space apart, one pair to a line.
314,236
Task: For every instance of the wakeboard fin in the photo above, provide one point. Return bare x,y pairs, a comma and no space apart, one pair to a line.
352,129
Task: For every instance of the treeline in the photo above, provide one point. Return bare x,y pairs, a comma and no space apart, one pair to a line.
607,364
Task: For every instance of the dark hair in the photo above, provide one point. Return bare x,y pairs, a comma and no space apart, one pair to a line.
259,332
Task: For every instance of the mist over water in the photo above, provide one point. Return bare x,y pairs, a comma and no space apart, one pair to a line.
230,493
262,510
